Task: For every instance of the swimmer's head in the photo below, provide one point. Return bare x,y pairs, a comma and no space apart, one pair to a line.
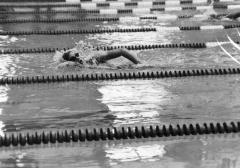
71,56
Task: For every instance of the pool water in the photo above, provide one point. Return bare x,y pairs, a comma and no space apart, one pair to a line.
118,103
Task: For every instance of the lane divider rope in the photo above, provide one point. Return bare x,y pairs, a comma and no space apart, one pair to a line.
107,48
119,3
93,5
116,76
79,31
97,19
127,30
97,134
38,1
119,11
9,2
101,19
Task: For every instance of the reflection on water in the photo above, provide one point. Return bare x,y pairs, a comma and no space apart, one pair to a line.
8,40
18,160
8,63
3,98
203,152
133,153
135,38
3,94
134,102
7,66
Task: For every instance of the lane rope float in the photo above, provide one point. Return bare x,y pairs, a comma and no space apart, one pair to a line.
109,3
119,30
97,134
79,31
79,1
107,48
93,5
117,76
129,47
119,11
207,27
102,19
97,19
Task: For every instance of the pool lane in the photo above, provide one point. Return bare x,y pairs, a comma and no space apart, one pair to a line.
152,60
119,103
164,34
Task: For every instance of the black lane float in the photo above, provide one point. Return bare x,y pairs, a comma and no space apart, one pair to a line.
117,76
65,1
106,48
96,134
78,31
96,19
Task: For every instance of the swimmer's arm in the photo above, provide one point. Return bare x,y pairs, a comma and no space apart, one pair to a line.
233,15
118,53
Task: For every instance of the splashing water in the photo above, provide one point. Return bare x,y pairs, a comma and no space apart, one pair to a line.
86,50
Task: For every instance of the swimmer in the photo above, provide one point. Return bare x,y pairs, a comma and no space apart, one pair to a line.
99,57
233,16
227,17
211,14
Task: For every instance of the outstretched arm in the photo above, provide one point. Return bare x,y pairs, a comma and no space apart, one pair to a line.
233,15
118,53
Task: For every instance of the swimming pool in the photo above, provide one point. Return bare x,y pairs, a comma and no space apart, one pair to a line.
116,103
